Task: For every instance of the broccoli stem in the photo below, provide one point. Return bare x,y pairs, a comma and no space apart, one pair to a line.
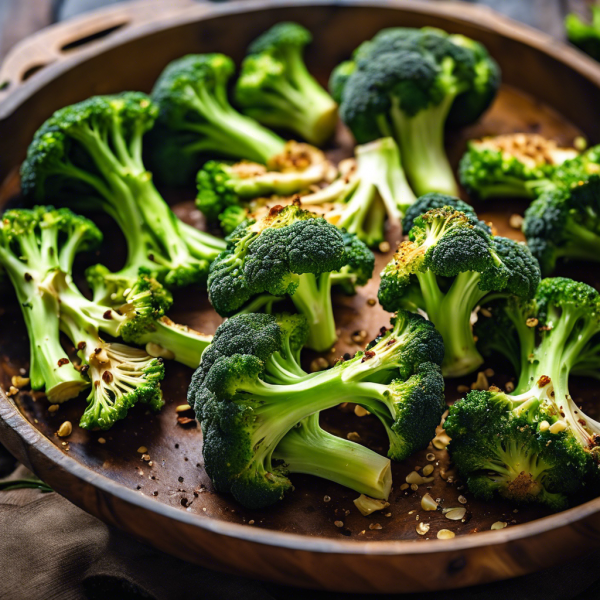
261,303
228,132
451,314
580,243
311,450
421,139
312,298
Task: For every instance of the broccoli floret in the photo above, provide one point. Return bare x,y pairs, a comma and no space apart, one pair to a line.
535,445
290,252
518,165
89,155
431,201
196,118
359,266
276,88
583,35
339,77
33,244
248,394
446,269
221,185
404,85
565,223
367,191
119,376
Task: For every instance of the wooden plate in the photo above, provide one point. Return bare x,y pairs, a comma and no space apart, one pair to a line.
548,88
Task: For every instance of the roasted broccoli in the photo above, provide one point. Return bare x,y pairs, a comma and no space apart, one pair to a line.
367,191
276,88
583,35
89,156
196,117
405,84
565,223
222,185
522,165
446,269
249,393
38,248
290,252
535,445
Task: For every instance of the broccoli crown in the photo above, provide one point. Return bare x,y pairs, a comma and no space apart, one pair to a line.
339,77
564,223
360,262
414,69
269,255
216,189
57,155
282,37
232,217
430,201
520,267
574,299
586,36
505,446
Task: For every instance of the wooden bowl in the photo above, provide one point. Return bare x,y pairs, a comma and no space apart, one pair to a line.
170,504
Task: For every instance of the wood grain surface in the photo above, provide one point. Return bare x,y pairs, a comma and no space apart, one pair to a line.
171,503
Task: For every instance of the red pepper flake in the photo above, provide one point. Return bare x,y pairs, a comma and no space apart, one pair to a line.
368,354
107,376
108,314
63,361
28,277
543,381
81,346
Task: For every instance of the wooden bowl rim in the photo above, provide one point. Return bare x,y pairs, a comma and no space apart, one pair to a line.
482,18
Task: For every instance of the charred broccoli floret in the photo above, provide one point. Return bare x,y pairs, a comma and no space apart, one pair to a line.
89,156
446,269
291,252
535,445
248,394
196,118
276,88
405,84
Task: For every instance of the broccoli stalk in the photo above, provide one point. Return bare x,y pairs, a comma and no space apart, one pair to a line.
89,155
544,447
196,117
311,450
276,88
405,84
292,253
447,268
249,393
33,244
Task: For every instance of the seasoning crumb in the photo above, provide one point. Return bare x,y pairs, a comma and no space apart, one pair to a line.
338,523
65,429
371,302
489,372
462,389
481,383
498,525
510,386
384,247
358,337
387,515
532,322
326,499
146,457
375,526
353,436
445,534
182,408
359,411
142,450
101,440
427,470
454,514
462,499
430,457
19,382
404,486
318,364
422,528
53,408
12,391
251,522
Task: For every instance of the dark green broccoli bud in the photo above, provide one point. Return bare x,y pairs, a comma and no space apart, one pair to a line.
120,376
366,191
196,118
232,218
565,223
290,252
583,35
33,244
504,445
296,169
446,269
89,155
276,88
359,266
431,201
249,396
339,77
518,165
404,85
549,446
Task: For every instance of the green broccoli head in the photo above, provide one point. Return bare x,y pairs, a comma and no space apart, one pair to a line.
508,447
232,218
405,83
360,262
276,88
196,117
339,77
564,223
586,36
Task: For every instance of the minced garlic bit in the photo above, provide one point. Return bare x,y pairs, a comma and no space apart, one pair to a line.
359,337
404,486
481,383
367,505
142,450
445,534
375,526
422,528
65,429
101,440
146,457
19,382
326,499
509,387
544,426
455,514
515,221
182,408
532,322
498,525
371,301
428,503
430,456
441,441
318,364
338,523
558,427
462,499
12,391
359,411
384,247
427,470
53,408
353,436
